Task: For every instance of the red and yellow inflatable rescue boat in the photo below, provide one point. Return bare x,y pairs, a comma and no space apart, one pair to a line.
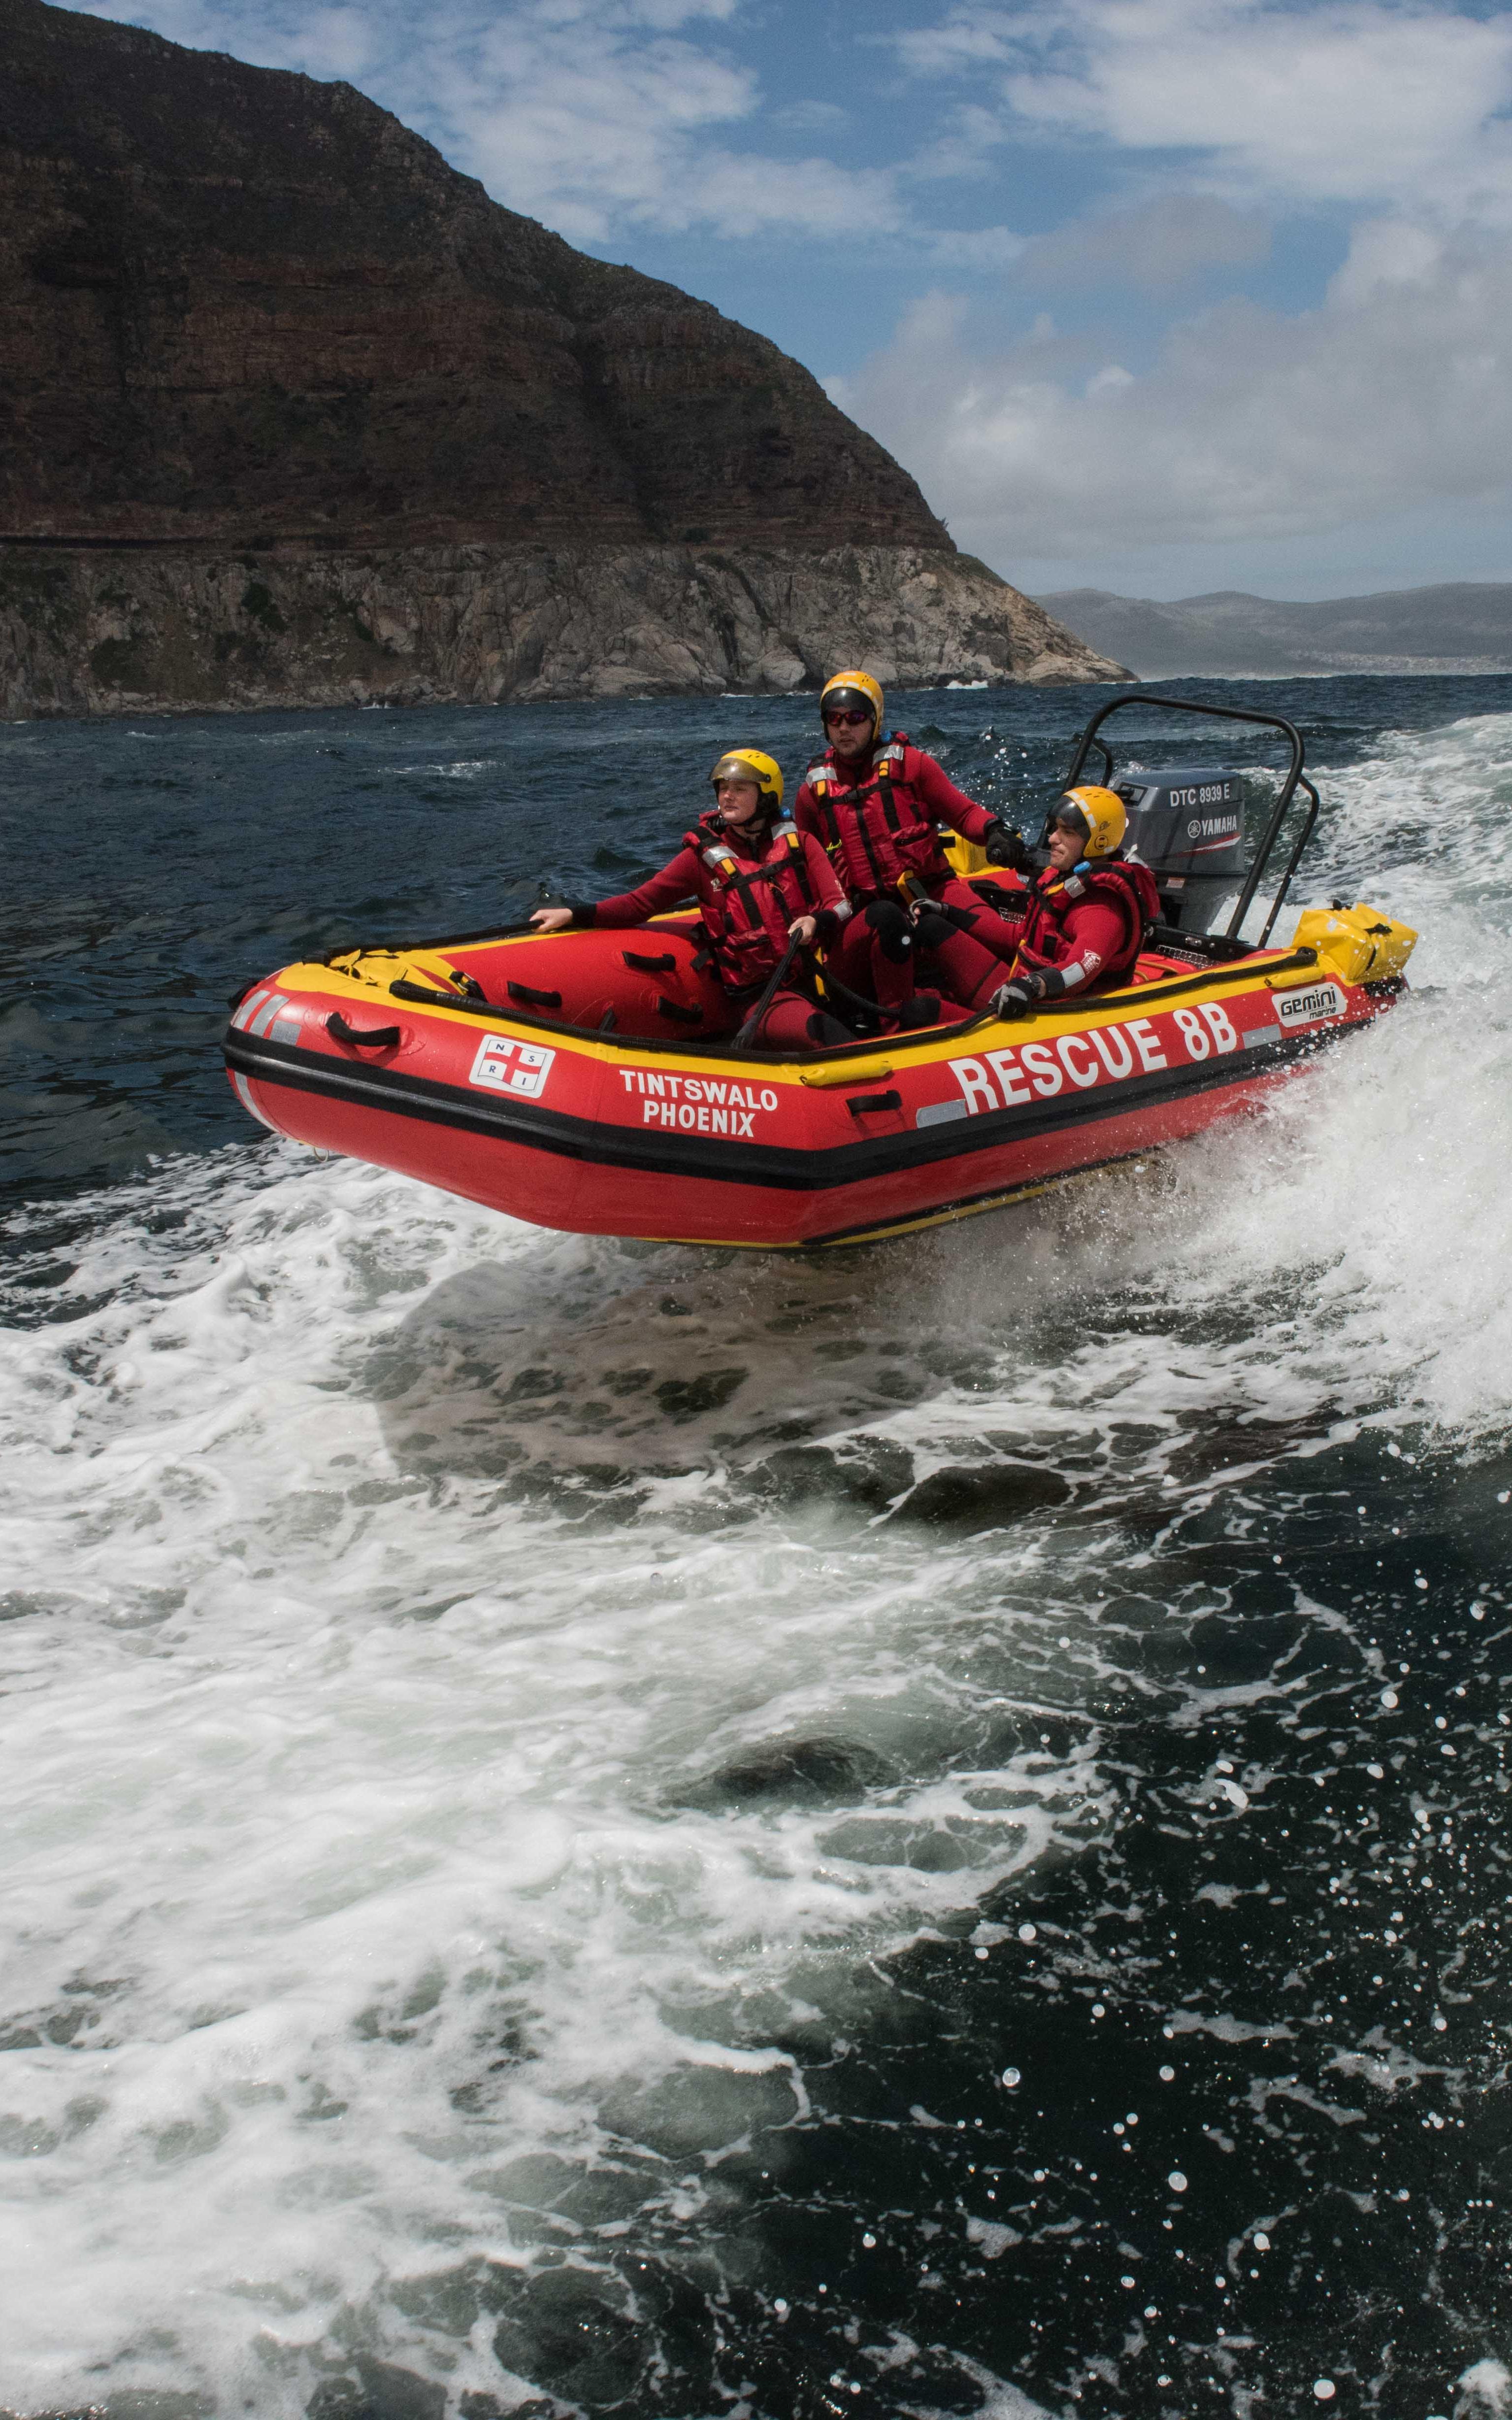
573,1079
481,1067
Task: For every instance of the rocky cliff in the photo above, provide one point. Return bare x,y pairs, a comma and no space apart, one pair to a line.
295,412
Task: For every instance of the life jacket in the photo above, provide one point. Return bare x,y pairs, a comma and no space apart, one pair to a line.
1122,882
876,828
748,904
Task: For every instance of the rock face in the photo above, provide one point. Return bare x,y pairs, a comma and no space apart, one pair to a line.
107,632
296,412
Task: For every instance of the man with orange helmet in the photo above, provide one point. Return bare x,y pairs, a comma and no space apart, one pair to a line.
1090,910
760,883
878,807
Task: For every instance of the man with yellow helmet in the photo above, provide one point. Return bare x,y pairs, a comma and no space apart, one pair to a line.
878,806
1088,911
761,885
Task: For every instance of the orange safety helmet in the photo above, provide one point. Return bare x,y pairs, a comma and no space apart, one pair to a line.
1100,816
852,689
751,765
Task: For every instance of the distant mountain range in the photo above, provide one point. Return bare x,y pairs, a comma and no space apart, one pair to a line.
1463,626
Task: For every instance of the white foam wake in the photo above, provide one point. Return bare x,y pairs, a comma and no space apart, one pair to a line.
390,1587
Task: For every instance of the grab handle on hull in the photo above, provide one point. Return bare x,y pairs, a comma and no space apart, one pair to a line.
379,1037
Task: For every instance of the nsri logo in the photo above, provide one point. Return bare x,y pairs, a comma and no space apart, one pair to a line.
506,1065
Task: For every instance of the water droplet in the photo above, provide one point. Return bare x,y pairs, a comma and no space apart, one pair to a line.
1324,2389
1177,2182
1167,2075
1098,2010
1011,2078
981,1953
1388,1697
1126,2281
781,2307
869,2242
1262,2243
1027,1933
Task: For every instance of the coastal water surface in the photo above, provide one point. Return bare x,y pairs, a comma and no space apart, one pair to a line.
608,1828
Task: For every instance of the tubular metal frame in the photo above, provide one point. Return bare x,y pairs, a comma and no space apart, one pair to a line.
1294,775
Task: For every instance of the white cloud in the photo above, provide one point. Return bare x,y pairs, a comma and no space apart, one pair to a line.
1158,247
1358,102
1393,394
1385,253
964,147
597,117
989,249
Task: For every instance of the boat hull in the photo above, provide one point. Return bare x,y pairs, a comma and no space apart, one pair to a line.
671,1140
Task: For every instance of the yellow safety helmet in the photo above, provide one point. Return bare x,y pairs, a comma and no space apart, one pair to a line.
751,765
1098,815
852,689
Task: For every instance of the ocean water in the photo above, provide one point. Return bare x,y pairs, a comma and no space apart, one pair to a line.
607,1828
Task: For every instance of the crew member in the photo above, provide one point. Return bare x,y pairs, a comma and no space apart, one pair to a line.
1088,911
878,807
761,885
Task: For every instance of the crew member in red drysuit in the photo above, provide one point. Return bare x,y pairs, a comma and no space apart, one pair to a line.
878,807
761,884
1088,911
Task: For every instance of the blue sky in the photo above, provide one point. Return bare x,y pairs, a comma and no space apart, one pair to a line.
1162,296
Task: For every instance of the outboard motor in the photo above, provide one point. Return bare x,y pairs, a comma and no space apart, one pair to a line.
1188,826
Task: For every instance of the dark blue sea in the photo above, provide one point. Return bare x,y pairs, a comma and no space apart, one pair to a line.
604,1828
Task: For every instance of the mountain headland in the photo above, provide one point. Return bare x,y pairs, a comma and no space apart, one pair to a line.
298,414
1460,627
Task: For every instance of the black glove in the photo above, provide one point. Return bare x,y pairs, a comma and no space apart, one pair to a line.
1004,845
1016,998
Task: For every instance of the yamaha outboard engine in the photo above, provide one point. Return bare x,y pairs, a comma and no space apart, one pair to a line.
1188,826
